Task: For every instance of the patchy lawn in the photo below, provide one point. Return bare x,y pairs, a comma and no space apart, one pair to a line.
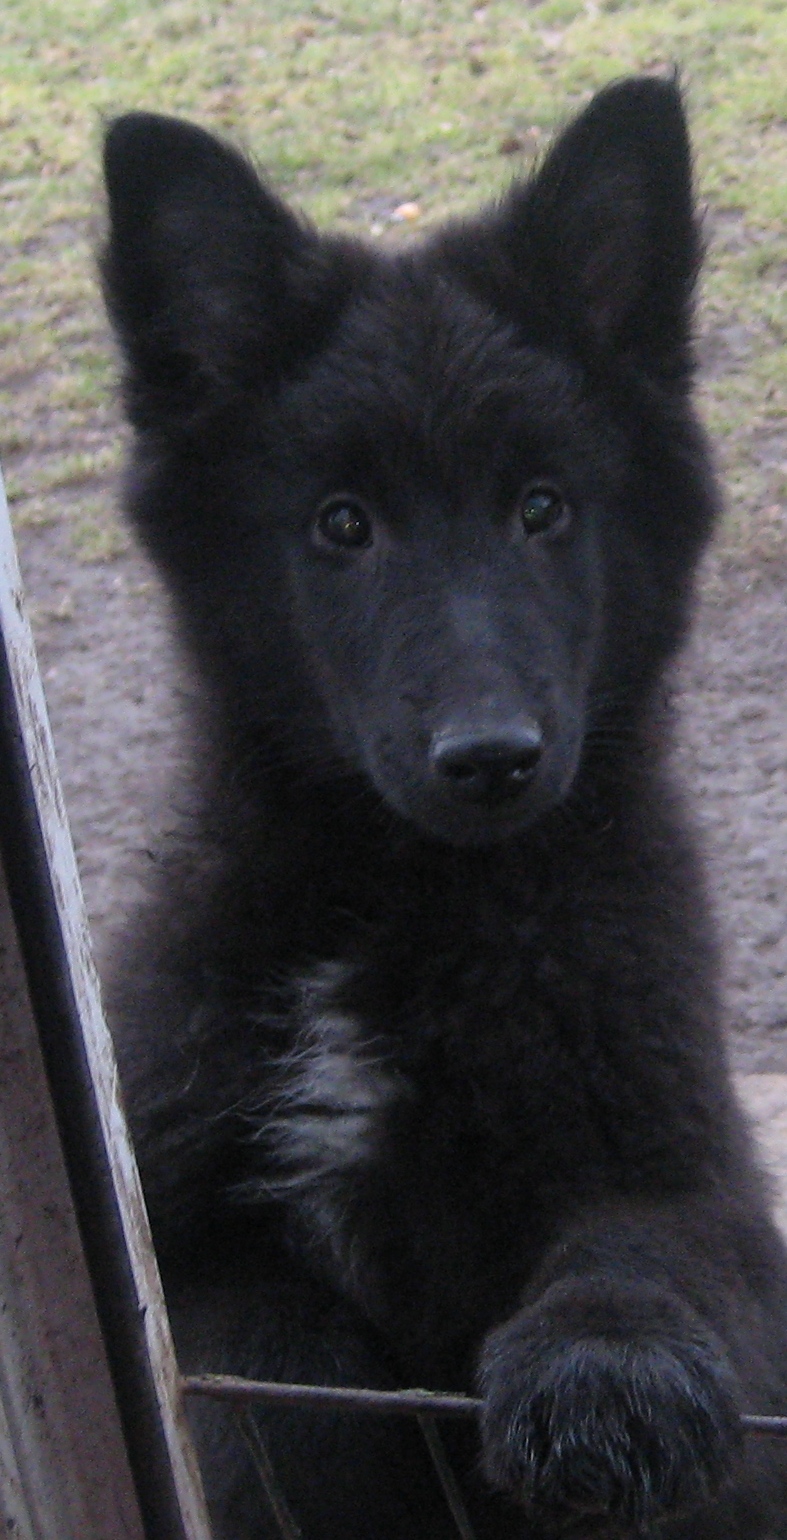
356,108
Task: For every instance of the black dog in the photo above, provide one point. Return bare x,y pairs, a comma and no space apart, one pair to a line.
421,1031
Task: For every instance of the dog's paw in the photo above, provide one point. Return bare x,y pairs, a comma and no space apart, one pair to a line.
607,1408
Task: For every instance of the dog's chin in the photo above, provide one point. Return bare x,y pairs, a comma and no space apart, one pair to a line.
471,825
474,832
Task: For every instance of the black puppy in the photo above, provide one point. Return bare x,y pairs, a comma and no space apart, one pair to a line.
421,1029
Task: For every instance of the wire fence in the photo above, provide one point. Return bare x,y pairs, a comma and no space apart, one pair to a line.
425,1405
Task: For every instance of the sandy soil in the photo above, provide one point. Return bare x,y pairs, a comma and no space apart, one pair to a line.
733,756
114,697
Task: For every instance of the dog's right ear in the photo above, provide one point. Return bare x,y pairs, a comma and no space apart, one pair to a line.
212,284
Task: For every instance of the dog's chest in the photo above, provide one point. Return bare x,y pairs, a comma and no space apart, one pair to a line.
332,1091
397,1173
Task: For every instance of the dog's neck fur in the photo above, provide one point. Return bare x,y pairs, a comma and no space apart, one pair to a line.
329,871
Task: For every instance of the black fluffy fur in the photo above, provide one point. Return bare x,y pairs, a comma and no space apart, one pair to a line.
421,1040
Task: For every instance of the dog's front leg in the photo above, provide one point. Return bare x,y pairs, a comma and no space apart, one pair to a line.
610,1400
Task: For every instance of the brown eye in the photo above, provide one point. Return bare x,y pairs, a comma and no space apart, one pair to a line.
344,522
542,508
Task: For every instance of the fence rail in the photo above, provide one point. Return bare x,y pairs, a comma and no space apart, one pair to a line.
230,1387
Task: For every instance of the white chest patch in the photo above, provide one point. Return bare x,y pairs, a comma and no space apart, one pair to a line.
325,1117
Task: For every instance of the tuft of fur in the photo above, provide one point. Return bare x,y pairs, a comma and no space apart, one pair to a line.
420,1026
322,1113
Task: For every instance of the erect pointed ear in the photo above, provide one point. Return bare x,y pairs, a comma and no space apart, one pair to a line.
211,282
603,242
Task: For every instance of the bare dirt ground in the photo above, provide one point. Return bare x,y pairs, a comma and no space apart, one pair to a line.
733,755
115,698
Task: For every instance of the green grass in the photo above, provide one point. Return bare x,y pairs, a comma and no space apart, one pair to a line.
355,107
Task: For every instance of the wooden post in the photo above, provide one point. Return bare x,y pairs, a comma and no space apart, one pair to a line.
93,1440
63,1467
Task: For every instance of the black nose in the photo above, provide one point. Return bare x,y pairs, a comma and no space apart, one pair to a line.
487,766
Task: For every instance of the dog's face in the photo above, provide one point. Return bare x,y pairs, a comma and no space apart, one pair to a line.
397,495
439,528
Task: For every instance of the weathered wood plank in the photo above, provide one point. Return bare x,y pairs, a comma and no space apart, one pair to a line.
63,1467
49,921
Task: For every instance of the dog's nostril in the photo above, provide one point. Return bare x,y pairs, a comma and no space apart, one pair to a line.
487,766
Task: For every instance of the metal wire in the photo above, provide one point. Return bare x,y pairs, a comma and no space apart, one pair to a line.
258,1450
445,1475
424,1405
229,1387
775,1427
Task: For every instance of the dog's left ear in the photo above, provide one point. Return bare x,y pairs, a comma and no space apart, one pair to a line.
603,242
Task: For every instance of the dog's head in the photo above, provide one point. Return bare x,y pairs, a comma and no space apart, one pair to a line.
430,516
